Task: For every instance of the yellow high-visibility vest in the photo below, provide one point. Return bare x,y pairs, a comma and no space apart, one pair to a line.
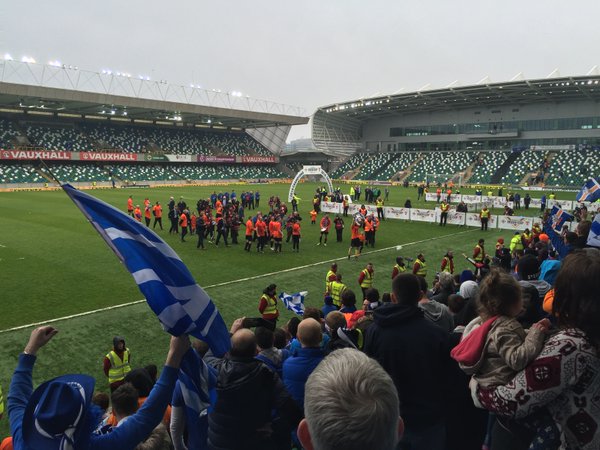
422,270
447,267
480,255
485,214
336,289
367,280
1,403
400,268
118,367
271,305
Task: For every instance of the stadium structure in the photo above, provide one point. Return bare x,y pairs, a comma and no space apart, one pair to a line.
523,131
106,128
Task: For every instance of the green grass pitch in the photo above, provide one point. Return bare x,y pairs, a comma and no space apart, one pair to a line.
54,264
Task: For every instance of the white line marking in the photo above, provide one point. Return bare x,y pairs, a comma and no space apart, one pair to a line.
3,246
225,283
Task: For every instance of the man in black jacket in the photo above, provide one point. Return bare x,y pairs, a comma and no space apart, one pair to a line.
415,353
247,392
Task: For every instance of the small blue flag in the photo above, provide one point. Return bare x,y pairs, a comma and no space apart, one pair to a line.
590,191
180,303
558,217
294,302
594,235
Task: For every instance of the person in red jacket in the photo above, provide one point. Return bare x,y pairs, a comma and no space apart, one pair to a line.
325,226
137,213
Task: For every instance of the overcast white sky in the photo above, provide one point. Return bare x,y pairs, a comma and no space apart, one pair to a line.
308,53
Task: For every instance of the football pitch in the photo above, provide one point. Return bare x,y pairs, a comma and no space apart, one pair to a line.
53,265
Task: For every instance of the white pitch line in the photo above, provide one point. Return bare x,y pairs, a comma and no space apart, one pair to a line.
225,283
3,246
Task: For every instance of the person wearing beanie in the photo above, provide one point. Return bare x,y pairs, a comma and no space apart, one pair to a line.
466,275
328,305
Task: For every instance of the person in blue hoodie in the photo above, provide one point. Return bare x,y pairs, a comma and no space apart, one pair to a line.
297,368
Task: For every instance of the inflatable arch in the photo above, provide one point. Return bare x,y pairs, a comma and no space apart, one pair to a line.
309,170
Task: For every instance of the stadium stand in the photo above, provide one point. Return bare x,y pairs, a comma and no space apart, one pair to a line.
486,166
440,163
138,172
53,137
124,138
573,167
79,172
373,166
19,173
527,162
7,133
352,163
401,161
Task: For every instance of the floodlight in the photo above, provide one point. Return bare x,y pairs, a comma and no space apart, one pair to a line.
7,57
54,63
28,59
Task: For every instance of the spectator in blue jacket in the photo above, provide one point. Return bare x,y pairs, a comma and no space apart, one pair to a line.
297,368
59,413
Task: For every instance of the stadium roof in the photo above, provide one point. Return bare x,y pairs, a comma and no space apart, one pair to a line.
70,92
484,95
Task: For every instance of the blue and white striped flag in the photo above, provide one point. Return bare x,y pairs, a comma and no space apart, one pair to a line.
196,381
590,191
294,302
180,303
594,235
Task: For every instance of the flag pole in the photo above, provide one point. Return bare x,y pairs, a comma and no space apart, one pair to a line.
47,169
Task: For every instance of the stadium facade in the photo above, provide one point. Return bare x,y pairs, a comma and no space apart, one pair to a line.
552,112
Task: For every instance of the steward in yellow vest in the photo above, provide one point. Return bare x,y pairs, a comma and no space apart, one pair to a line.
399,267
336,289
420,267
268,304
365,279
117,363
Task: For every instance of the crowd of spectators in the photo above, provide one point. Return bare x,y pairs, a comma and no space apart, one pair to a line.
506,357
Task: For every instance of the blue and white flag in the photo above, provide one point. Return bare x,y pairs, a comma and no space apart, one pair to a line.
590,192
558,217
196,380
294,302
180,303
594,235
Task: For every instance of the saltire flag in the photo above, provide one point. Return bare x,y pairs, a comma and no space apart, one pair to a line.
558,217
594,235
181,305
294,302
590,192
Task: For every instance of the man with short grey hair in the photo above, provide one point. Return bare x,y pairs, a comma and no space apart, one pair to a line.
350,403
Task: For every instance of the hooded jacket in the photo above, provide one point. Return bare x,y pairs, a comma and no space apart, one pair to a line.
497,350
415,353
438,314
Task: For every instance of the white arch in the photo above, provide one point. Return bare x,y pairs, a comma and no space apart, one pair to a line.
309,170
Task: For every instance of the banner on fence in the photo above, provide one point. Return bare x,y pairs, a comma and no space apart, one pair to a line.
331,207
396,213
423,215
472,220
514,222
